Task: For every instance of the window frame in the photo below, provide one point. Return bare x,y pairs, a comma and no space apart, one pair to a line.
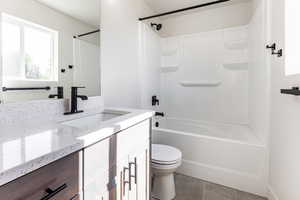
288,71
22,24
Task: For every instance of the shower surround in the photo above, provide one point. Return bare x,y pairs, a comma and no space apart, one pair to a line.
214,105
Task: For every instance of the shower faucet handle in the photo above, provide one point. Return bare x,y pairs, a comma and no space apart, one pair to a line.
155,101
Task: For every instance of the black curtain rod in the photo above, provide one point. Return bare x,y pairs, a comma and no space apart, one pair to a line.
183,9
85,34
4,89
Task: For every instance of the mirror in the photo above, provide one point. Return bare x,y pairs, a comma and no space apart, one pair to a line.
46,44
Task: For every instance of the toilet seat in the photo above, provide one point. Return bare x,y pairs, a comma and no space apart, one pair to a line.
165,155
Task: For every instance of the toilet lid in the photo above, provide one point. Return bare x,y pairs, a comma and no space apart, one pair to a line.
165,154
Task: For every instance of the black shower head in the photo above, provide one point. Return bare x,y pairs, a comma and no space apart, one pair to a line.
158,26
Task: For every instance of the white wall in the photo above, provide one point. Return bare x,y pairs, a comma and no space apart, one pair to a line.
204,57
202,20
285,138
67,27
87,70
120,51
259,78
150,66
259,73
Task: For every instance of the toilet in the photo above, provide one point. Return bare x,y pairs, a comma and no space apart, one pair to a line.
165,161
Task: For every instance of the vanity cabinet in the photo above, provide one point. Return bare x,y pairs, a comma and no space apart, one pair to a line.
117,168
56,181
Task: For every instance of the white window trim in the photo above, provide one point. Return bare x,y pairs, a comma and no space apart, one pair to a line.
1,69
22,23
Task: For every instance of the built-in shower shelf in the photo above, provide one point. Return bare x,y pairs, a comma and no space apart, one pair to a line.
169,69
236,45
236,66
200,83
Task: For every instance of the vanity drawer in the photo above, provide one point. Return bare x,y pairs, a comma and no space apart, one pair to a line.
60,179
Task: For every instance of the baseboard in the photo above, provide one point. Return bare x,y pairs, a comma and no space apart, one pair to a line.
230,178
271,194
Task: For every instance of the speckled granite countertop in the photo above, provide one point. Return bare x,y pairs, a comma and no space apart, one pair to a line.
27,146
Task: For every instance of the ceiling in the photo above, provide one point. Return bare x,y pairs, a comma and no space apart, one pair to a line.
168,5
87,11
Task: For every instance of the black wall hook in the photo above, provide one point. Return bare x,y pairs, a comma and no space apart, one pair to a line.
272,47
279,53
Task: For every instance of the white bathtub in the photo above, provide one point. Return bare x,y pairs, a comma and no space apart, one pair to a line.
221,153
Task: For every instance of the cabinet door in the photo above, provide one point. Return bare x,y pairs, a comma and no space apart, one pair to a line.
100,170
139,169
129,139
131,144
109,160
96,161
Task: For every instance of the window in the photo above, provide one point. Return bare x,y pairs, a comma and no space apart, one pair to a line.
292,39
30,51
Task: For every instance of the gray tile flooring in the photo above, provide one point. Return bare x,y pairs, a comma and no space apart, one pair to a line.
188,188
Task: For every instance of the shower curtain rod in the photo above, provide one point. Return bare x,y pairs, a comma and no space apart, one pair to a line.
183,9
85,34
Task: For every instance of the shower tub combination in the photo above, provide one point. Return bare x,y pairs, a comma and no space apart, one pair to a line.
225,154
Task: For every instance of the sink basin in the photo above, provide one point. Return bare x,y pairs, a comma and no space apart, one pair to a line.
94,120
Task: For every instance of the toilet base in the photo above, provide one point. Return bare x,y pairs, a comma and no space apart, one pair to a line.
163,186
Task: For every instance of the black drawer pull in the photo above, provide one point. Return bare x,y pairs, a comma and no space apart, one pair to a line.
52,193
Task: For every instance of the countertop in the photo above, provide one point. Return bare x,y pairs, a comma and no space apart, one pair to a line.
27,147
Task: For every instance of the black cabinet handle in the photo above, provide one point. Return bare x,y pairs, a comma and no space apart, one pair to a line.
135,170
52,193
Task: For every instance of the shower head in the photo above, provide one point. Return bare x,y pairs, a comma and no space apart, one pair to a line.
158,26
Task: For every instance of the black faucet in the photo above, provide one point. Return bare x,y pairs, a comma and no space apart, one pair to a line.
74,103
159,114
155,101
59,95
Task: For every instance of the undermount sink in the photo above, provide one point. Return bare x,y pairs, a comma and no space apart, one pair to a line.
94,120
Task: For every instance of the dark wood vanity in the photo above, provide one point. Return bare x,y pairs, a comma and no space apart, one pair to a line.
56,181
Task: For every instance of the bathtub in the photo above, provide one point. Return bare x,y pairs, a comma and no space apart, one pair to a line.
225,154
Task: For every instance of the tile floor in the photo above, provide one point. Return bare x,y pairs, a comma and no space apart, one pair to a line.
188,188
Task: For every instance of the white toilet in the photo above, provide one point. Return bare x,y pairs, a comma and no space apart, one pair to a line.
165,161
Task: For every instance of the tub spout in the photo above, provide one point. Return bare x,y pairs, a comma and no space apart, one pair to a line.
159,114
